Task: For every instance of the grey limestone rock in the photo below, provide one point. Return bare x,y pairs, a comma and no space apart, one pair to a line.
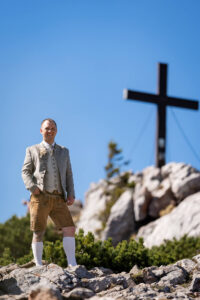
184,219
187,264
161,198
156,192
195,284
80,271
185,180
79,293
121,221
100,272
103,283
141,200
95,202
177,281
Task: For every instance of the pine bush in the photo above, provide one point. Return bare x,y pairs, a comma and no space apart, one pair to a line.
16,248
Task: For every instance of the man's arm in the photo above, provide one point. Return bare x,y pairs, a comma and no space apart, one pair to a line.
69,182
27,172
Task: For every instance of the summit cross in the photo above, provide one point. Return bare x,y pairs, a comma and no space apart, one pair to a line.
162,101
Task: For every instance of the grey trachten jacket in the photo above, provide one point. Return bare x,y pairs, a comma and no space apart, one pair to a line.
35,166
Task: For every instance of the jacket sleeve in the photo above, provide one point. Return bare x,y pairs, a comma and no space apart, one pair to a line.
69,179
27,172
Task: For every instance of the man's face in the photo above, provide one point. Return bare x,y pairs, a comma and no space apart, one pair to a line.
48,130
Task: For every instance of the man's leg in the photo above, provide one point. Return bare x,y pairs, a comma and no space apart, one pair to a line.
69,244
37,247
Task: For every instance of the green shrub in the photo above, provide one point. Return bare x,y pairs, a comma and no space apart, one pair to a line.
91,252
171,251
54,253
25,259
6,258
128,254
15,234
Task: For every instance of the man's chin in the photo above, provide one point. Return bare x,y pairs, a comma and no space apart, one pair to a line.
49,141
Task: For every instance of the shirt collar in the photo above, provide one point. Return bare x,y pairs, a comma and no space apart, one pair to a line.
48,145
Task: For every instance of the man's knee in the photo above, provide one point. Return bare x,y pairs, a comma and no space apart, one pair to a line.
38,236
69,231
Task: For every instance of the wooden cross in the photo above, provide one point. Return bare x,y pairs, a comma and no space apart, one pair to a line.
162,101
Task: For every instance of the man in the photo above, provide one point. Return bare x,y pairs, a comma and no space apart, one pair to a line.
47,174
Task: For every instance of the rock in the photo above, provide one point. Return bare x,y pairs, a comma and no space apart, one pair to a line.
79,293
112,292
101,298
184,219
14,297
195,284
7,269
103,283
187,264
80,271
100,271
134,271
95,202
151,178
44,293
196,259
173,276
54,283
160,198
20,280
185,180
120,224
136,178
141,198
150,181
163,276
156,192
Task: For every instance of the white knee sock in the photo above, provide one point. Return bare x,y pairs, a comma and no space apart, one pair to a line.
37,252
69,247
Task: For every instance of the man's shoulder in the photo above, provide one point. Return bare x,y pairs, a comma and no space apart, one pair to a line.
33,147
62,148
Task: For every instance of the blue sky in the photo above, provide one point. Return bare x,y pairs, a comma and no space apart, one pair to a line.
70,60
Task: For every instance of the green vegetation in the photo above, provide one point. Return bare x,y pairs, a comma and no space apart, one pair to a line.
16,237
113,196
113,167
174,250
15,247
115,160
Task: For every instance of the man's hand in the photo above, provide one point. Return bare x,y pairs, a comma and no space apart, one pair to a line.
36,191
70,200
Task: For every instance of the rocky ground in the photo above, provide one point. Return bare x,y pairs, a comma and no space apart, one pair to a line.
51,282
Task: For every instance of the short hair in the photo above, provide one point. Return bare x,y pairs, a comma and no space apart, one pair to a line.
50,120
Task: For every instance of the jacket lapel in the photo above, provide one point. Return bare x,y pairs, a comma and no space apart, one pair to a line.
43,156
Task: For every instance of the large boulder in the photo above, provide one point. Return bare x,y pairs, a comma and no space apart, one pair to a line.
95,202
184,179
120,224
161,198
152,194
184,219
155,192
141,200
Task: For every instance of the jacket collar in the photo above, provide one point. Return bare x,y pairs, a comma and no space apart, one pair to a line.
46,145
